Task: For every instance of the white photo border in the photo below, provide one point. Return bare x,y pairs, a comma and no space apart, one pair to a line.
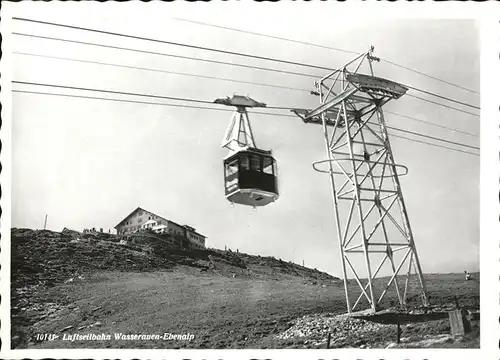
488,14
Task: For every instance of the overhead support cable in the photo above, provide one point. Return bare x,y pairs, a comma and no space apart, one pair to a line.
112,92
430,76
432,144
205,77
268,36
118,100
441,97
432,137
168,55
163,71
204,102
233,64
444,105
396,114
197,47
329,48
145,102
431,123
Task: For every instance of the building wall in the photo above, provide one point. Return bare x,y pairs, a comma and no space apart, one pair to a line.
135,222
196,239
175,229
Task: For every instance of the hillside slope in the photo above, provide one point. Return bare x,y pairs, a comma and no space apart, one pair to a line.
47,257
43,259
69,283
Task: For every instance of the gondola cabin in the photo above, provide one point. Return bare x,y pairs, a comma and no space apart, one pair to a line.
250,177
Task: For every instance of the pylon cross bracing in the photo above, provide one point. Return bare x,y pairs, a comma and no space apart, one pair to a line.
372,224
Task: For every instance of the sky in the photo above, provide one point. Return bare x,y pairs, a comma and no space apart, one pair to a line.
89,163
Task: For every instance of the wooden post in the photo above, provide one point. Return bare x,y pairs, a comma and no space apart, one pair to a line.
398,333
328,341
456,323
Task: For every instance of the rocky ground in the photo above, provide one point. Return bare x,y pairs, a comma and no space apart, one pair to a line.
68,282
418,329
43,259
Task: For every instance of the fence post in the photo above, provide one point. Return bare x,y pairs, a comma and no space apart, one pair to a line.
398,333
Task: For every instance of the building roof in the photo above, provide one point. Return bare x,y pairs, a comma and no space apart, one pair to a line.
126,217
139,208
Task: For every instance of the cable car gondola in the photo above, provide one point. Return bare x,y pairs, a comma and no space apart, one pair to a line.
250,177
250,174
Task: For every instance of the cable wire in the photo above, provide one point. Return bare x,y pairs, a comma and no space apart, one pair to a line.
432,144
119,100
432,137
143,102
172,43
442,97
208,77
231,64
163,71
208,102
113,92
268,36
430,76
431,123
324,47
444,105
209,108
167,55
393,113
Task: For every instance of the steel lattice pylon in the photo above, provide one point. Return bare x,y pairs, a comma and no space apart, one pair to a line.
364,175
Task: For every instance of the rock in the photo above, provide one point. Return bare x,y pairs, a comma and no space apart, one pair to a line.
98,323
66,328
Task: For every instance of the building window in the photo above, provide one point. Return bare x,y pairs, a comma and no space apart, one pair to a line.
232,168
254,163
244,163
268,165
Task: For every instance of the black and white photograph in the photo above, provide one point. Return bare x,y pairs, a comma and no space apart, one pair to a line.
241,177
